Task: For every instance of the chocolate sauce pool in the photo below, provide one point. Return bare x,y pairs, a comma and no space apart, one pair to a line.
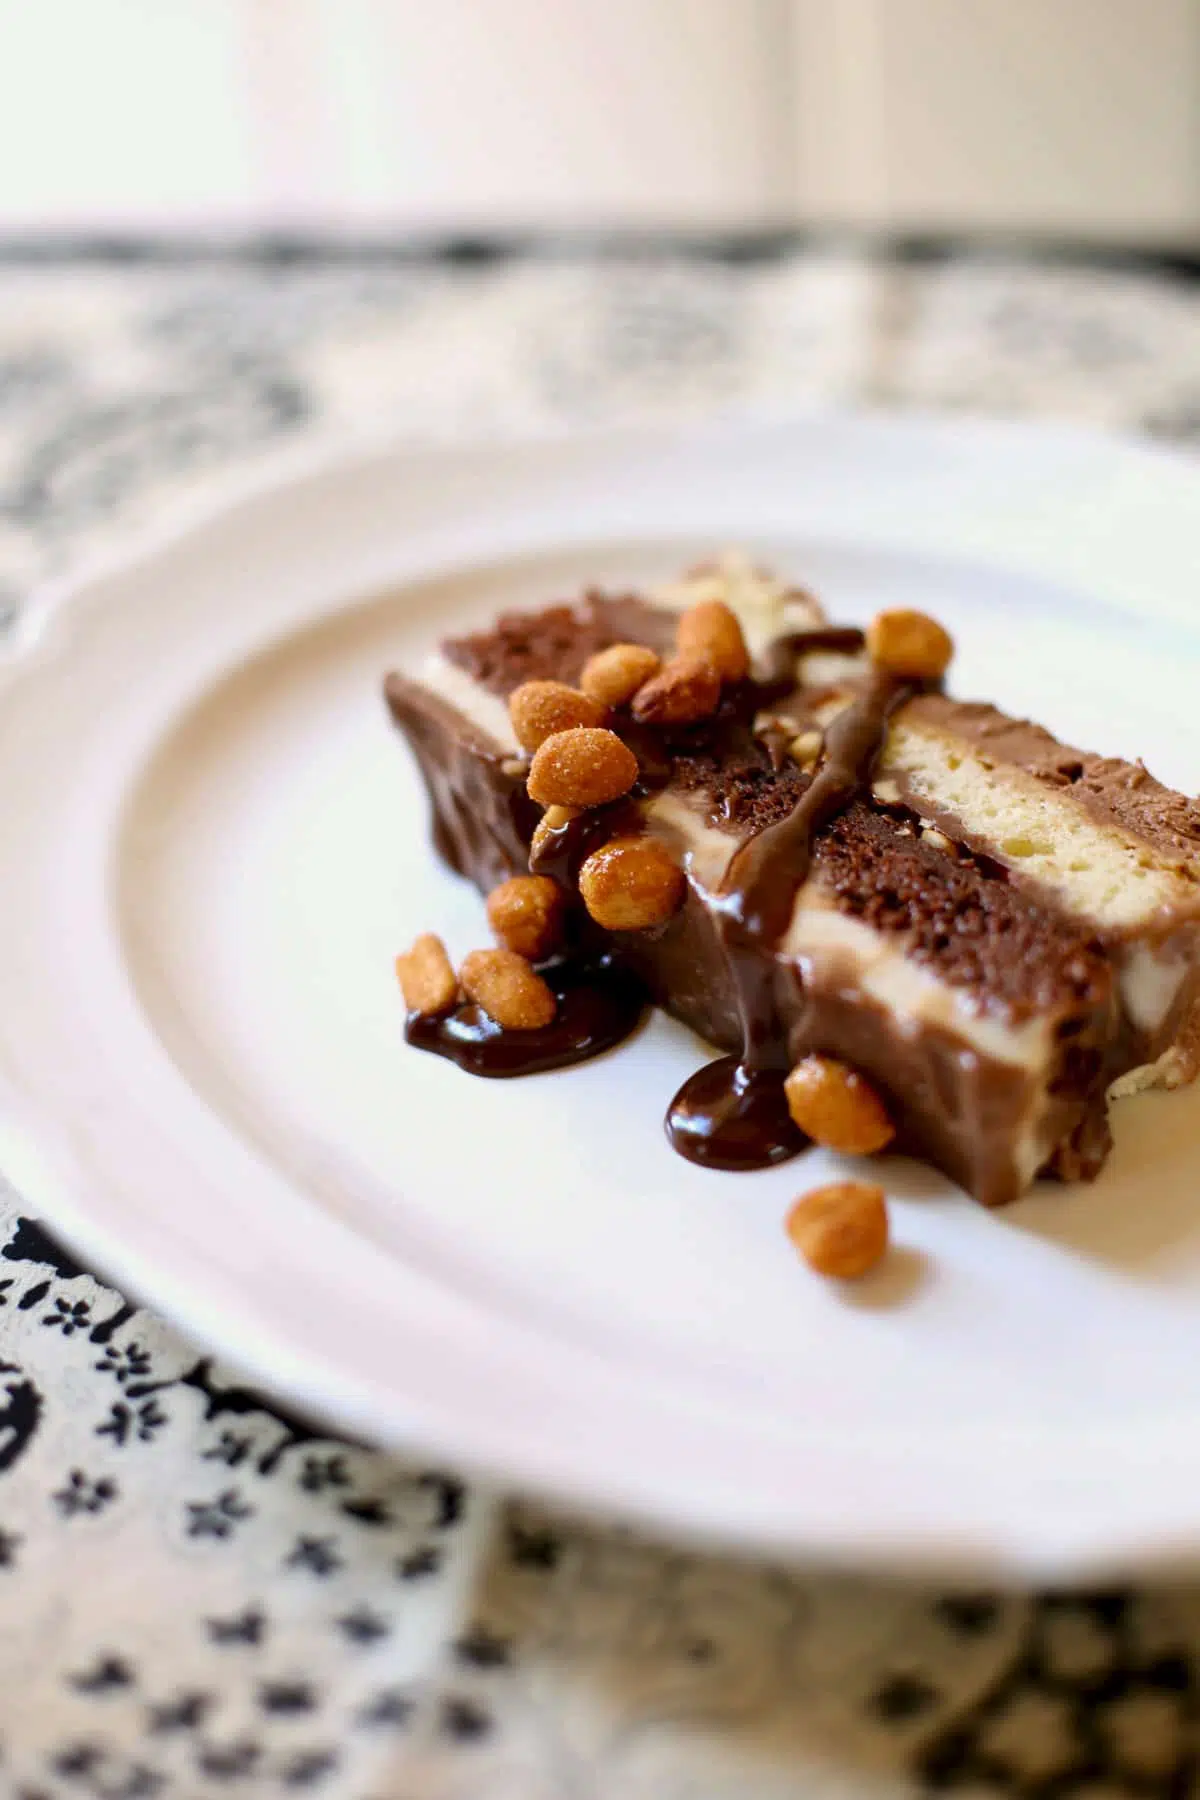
599,1005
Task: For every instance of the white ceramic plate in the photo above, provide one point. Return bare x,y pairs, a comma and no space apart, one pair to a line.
212,845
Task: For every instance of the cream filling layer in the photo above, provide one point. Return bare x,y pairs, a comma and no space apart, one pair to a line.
487,712
1150,980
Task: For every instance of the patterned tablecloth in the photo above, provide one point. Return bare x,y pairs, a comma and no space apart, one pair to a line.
198,1597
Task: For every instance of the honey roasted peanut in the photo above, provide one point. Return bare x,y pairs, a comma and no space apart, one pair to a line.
631,884
710,630
582,767
841,1230
426,976
507,989
837,1107
685,690
613,676
540,708
909,644
527,915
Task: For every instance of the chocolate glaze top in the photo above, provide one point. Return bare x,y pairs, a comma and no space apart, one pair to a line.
768,871
554,643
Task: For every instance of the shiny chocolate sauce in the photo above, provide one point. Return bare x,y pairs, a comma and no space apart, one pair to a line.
733,1114
599,1005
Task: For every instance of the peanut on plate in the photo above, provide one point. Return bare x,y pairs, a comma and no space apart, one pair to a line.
841,1230
426,976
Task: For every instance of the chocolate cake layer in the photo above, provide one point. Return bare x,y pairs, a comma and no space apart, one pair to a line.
993,1005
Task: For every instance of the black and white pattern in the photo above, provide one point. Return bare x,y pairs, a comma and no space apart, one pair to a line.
203,1596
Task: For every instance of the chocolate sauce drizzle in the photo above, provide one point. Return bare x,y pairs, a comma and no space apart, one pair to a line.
732,1114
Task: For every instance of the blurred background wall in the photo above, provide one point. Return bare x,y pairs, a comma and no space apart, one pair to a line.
1074,117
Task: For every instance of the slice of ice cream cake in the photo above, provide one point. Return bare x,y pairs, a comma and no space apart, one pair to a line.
785,834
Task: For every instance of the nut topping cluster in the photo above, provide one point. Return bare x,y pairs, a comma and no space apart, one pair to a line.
506,986
580,762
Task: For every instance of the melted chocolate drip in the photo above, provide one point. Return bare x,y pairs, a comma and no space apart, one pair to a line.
563,849
733,1114
767,873
599,1005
